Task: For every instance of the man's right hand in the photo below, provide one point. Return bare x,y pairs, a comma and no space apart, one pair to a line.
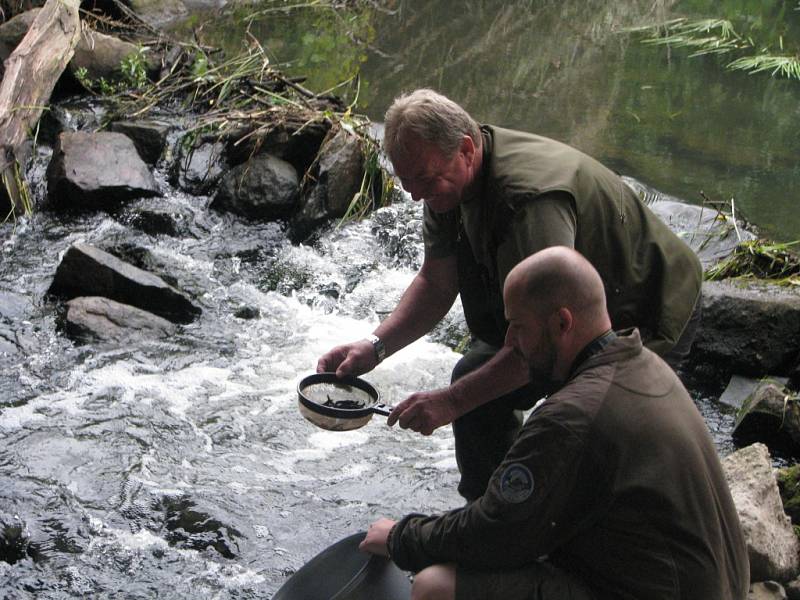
354,358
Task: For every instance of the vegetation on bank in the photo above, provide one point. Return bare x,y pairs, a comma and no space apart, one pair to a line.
237,97
762,37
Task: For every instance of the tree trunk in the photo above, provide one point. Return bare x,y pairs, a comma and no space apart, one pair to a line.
31,73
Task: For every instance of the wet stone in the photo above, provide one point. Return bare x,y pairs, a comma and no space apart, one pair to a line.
14,538
198,167
97,171
89,271
149,137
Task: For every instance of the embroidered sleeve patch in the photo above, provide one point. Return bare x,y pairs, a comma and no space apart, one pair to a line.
516,483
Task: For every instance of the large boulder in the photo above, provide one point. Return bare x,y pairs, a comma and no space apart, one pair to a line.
772,545
334,181
89,271
148,135
97,170
750,328
265,187
94,317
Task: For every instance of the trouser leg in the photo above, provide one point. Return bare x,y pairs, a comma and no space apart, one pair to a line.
484,435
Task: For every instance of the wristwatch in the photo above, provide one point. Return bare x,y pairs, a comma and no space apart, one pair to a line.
378,346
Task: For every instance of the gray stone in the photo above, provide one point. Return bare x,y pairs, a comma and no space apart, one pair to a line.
102,55
766,590
771,542
89,271
793,589
198,167
97,170
770,414
710,233
740,388
335,179
750,328
149,137
265,187
104,319
13,30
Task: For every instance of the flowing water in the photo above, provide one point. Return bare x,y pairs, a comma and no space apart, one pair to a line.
182,468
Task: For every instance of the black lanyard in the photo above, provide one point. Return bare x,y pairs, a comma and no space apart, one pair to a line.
592,348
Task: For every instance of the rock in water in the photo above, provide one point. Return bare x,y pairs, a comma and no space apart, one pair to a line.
97,171
89,271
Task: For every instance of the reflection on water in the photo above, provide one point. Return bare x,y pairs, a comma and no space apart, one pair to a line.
569,70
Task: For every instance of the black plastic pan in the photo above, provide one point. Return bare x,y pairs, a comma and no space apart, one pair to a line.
342,572
338,404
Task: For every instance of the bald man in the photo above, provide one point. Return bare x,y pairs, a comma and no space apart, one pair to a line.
613,488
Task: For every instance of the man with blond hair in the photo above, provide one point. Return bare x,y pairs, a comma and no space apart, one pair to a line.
492,197
613,488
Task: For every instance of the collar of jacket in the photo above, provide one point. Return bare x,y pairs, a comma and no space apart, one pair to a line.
627,344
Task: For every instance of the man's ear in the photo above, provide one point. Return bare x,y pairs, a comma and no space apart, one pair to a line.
467,148
564,322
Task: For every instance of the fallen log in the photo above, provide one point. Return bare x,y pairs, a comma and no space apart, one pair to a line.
30,75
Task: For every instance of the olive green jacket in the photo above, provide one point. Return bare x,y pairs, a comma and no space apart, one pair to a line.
535,192
616,479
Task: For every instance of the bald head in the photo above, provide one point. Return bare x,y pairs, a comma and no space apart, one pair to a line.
559,277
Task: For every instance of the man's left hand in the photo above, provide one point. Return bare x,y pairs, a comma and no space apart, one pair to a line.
377,537
424,412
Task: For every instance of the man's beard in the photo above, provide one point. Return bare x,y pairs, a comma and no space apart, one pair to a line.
542,373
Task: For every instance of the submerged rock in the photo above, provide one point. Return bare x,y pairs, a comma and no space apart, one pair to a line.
14,538
772,545
189,525
89,271
265,187
149,137
104,319
97,170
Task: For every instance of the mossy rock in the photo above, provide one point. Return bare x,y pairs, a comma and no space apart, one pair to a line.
789,486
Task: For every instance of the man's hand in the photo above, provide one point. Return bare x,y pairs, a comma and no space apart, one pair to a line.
377,537
354,358
424,412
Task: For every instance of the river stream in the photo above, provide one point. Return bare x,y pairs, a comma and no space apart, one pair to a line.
182,468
